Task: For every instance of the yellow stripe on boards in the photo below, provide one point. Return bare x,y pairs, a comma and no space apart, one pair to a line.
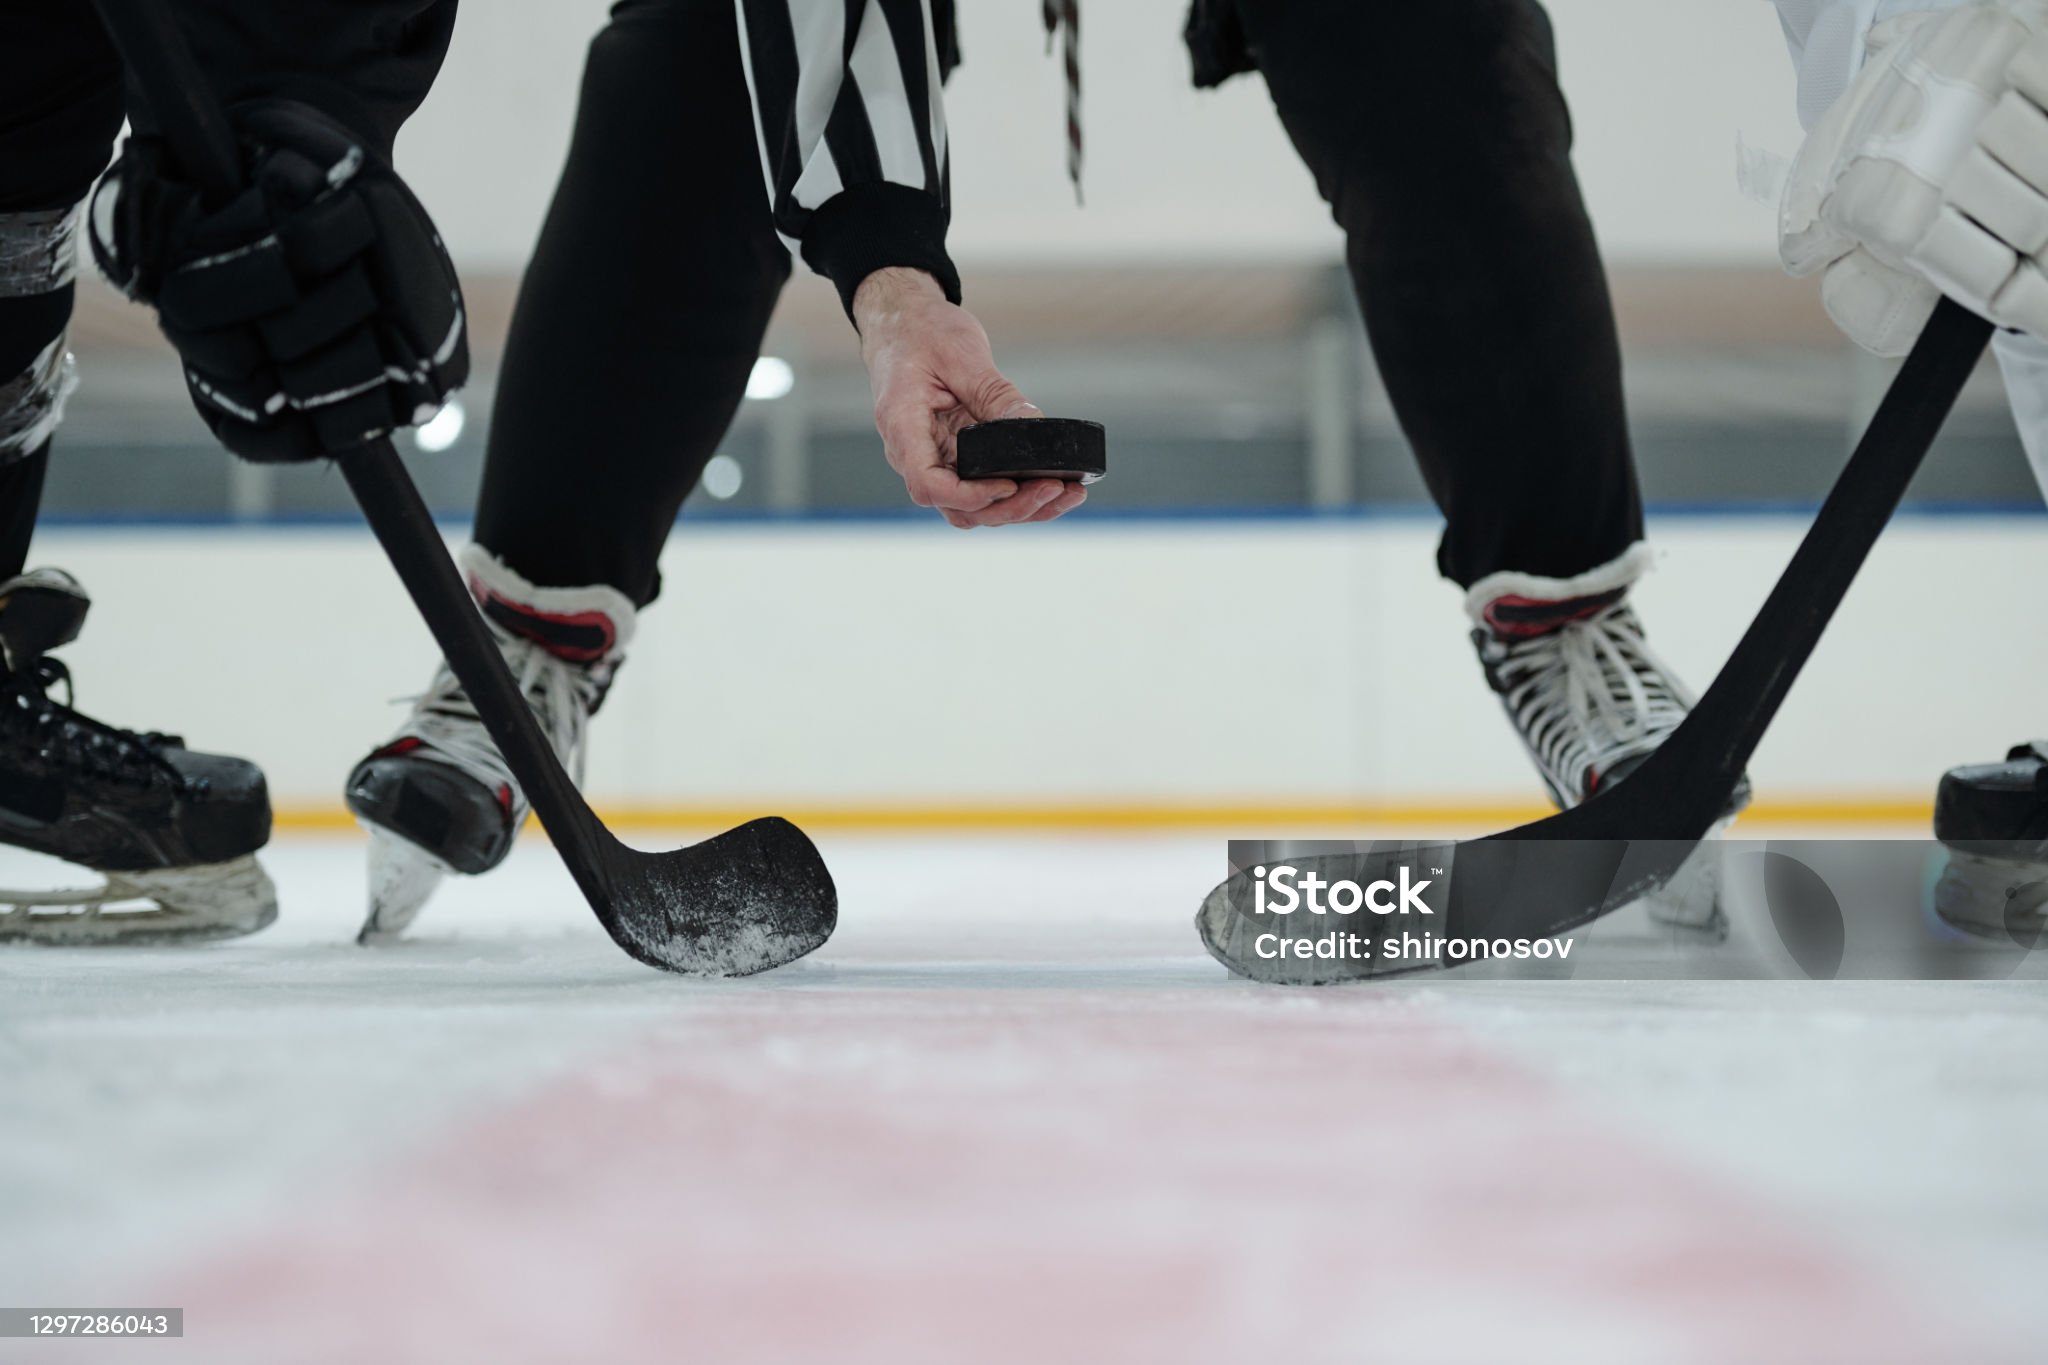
1246,819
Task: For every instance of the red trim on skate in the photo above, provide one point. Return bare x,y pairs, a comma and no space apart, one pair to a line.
566,635
1526,618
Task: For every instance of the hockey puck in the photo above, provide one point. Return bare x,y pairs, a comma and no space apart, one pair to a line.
1024,448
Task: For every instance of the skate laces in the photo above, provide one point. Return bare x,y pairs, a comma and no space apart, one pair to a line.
1587,695
561,695
63,736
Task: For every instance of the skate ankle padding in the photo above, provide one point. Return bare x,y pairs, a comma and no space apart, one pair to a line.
40,611
1519,606
583,625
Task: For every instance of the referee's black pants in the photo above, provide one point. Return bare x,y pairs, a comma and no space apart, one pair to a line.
1439,137
1436,131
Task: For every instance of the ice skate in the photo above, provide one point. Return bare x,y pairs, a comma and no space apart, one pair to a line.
1591,702
438,797
170,835
1993,818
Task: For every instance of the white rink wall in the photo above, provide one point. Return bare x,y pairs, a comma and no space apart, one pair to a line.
889,666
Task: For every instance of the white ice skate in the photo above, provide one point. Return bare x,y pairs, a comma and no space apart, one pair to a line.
438,797
1592,702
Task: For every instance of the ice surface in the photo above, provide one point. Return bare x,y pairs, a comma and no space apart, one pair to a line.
1011,1112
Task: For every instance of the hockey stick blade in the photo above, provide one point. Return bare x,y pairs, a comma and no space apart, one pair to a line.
749,900
1553,875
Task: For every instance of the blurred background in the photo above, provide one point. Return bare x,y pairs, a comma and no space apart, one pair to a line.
1243,626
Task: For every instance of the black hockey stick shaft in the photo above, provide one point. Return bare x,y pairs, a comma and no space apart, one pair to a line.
156,52
1716,742
1744,697
406,530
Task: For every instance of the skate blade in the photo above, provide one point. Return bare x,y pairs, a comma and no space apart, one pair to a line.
137,909
403,877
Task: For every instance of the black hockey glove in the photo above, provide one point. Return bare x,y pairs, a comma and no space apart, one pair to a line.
315,311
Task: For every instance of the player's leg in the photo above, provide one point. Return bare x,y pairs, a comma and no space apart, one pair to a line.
637,324
1439,136
173,833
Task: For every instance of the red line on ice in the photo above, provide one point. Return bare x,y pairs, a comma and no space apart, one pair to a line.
1034,1176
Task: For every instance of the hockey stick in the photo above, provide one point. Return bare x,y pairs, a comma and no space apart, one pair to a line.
750,899
1627,842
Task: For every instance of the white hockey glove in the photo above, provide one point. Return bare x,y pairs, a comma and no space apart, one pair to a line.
1930,177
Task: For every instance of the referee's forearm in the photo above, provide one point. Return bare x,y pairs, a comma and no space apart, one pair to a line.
848,111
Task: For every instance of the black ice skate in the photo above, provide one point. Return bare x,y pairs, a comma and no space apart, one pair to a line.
1993,818
1592,702
438,797
172,833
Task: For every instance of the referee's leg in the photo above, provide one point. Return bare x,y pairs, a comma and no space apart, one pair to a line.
642,312
1439,136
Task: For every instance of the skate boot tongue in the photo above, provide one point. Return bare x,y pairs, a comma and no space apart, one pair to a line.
1525,618
40,611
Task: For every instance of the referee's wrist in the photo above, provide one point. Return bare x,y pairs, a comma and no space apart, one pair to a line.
869,227
884,293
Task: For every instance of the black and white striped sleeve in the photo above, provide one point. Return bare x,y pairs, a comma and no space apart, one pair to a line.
852,128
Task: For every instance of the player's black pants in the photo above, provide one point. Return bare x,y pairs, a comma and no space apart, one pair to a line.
1436,131
367,62
60,107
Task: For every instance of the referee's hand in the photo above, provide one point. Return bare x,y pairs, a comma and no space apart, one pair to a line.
932,373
